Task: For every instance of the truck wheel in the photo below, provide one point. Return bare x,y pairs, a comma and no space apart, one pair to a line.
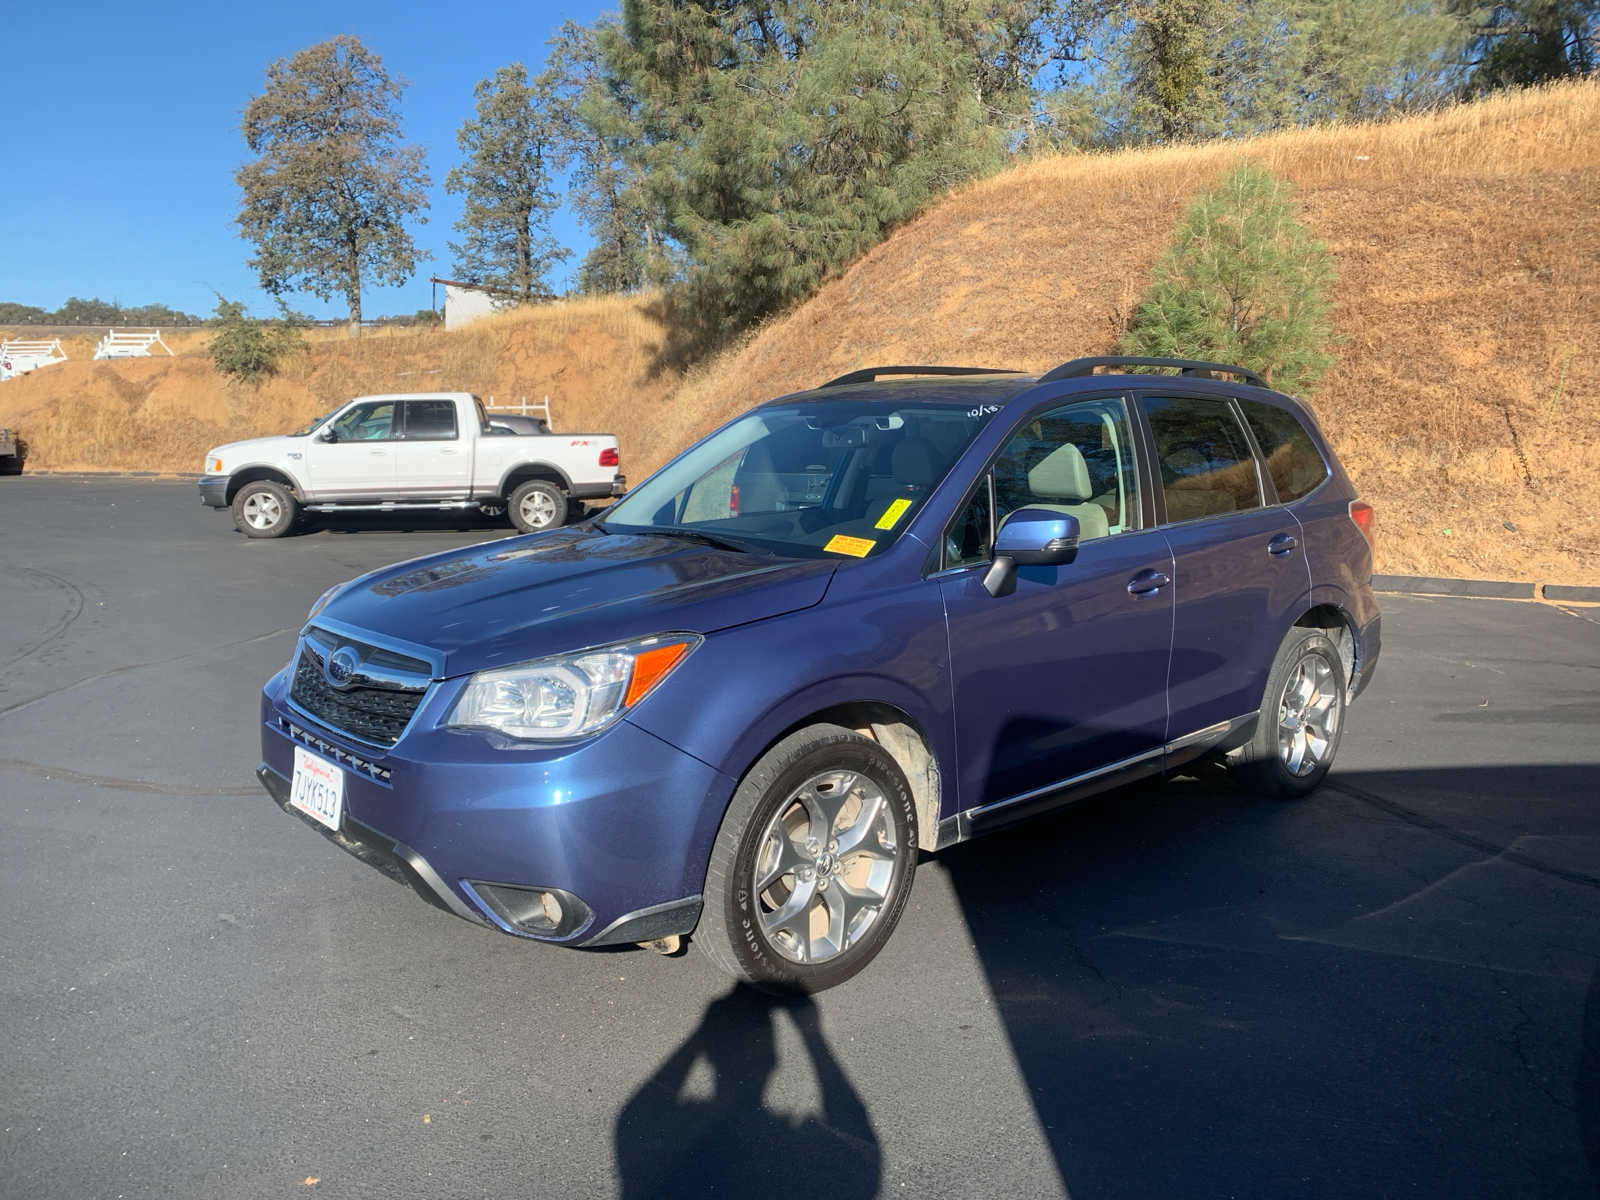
537,504
264,509
813,864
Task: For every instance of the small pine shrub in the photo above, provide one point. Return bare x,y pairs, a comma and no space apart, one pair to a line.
1243,282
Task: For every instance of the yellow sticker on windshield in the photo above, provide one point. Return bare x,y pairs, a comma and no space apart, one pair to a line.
892,514
854,547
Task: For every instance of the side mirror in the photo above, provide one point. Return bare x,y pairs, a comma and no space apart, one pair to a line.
330,434
1030,537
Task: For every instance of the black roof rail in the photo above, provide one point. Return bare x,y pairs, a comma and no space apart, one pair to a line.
869,374
1080,367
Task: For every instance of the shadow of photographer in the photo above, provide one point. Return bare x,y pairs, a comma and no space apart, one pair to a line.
681,1132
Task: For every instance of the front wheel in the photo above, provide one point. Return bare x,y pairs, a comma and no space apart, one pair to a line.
264,509
1302,716
537,504
813,864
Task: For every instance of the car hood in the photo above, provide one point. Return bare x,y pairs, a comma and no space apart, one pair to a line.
548,593
251,450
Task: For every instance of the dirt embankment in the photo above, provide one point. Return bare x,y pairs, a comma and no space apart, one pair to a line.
1465,402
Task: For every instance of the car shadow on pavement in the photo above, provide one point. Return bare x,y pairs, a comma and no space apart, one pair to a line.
684,1134
1388,987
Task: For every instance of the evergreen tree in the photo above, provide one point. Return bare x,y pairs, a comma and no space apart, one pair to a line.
510,147
1172,51
1530,41
776,141
1294,62
597,120
328,197
1243,282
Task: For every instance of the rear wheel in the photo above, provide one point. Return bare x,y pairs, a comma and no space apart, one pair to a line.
537,504
264,509
1302,717
813,864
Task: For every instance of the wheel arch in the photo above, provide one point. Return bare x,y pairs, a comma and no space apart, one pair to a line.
1336,622
257,473
900,734
522,472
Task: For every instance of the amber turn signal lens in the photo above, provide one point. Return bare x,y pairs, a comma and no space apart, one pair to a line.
649,666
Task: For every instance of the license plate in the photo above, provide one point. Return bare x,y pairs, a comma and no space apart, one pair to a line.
318,788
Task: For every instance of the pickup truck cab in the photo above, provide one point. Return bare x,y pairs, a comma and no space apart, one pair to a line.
434,450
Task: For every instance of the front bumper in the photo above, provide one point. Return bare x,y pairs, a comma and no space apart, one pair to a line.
214,491
623,821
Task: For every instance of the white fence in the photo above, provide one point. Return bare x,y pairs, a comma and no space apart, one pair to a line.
128,344
18,356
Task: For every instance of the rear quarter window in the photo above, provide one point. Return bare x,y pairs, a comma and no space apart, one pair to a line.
1296,467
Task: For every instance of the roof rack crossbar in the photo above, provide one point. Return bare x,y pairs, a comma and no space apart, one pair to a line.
1080,367
868,374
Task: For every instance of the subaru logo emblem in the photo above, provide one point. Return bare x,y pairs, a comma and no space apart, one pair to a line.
341,667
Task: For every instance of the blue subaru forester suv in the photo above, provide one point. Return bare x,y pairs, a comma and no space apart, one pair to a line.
854,624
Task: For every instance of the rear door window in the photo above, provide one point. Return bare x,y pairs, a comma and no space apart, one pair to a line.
430,420
1292,459
1207,468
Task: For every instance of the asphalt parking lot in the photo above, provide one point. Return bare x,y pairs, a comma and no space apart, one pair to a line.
1391,988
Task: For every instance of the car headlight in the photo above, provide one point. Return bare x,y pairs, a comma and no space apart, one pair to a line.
214,464
569,695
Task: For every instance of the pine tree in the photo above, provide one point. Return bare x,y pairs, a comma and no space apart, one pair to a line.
776,141
1243,282
1530,41
510,147
328,198
597,119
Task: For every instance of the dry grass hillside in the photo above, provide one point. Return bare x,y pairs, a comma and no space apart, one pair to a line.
593,358
1466,402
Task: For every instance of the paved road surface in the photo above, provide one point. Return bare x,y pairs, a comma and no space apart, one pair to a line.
1388,989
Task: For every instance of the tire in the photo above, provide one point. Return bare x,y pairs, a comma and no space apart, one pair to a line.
760,922
264,509
1302,718
537,504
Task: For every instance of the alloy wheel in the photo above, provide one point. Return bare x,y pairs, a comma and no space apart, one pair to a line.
825,865
1308,715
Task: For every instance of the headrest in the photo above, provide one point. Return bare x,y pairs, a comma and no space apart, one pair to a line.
914,463
1061,475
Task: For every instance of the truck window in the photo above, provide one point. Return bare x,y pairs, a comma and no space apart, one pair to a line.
430,420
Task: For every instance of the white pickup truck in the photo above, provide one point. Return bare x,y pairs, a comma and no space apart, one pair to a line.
433,450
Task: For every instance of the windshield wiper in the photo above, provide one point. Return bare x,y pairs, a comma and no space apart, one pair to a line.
710,539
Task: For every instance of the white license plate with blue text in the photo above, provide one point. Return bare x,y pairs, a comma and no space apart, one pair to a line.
317,788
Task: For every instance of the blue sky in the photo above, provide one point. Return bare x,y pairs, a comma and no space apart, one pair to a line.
123,188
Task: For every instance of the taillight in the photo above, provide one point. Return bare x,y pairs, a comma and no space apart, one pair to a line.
1362,514
610,458
733,500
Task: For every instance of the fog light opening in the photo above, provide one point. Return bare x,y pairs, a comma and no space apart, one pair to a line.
543,912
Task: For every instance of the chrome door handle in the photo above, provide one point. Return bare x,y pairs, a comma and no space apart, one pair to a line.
1282,544
1148,581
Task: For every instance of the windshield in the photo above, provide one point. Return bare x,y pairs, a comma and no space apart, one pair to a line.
315,421
808,480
